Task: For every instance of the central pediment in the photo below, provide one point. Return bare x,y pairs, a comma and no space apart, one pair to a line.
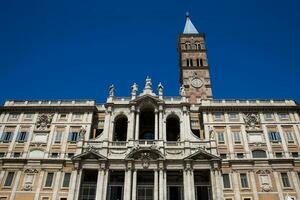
141,153
202,154
147,99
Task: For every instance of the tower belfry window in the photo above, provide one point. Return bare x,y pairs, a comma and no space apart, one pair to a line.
189,62
198,46
187,46
199,62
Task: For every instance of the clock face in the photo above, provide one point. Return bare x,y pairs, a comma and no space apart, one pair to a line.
196,82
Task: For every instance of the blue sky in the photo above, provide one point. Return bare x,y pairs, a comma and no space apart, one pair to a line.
76,49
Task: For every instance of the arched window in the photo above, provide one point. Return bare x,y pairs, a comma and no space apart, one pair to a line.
120,131
173,128
259,154
147,124
197,44
187,45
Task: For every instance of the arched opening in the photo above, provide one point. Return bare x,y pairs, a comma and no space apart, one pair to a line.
259,154
147,124
120,131
173,128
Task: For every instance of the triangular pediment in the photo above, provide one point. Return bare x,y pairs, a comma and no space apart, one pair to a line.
141,153
201,154
147,98
89,155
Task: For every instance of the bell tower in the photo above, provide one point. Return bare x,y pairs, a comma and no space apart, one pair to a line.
194,69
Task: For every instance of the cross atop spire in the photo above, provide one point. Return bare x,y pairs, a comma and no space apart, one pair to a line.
189,27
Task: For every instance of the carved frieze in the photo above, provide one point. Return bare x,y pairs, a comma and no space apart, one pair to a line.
252,120
44,121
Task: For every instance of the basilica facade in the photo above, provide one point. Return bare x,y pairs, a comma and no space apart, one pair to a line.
149,146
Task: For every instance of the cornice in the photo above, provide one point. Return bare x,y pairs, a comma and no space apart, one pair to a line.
48,108
248,108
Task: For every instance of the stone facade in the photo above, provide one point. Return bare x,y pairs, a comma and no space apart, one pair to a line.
151,146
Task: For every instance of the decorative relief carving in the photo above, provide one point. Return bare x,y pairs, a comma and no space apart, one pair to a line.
252,120
44,121
82,132
174,152
31,171
91,148
117,152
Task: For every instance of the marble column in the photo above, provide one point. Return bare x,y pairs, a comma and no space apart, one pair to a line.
156,125
165,184
39,185
278,185
295,183
56,184
130,131
105,184
73,185
160,116
161,184
127,185
15,187
213,184
187,186
134,183
192,184
235,185
253,184
137,125
156,185
99,188
78,182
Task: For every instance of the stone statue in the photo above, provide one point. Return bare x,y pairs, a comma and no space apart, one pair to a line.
182,90
82,132
134,88
111,90
148,83
160,89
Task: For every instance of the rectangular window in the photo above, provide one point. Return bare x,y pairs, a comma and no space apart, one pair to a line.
283,116
16,154
278,154
274,137
226,181
268,116
70,155
49,179
218,116
9,179
221,139
294,154
285,180
2,154
240,155
77,116
57,138
22,137
6,136
66,180
54,155
233,116
28,116
244,180
13,117
290,137
73,137
237,137
63,117
223,155
299,176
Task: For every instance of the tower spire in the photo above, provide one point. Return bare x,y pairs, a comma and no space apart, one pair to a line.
189,27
